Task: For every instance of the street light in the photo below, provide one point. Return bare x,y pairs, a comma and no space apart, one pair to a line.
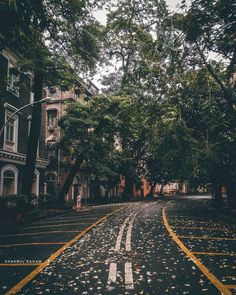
25,106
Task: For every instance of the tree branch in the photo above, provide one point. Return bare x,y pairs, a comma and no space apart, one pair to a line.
227,93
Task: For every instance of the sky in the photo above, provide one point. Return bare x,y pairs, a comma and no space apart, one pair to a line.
101,17
172,4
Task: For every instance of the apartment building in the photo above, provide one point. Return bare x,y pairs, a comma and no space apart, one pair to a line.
16,92
59,164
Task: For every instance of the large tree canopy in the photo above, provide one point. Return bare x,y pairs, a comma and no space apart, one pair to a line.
51,38
169,101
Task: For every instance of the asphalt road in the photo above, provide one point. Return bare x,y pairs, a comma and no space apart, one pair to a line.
168,246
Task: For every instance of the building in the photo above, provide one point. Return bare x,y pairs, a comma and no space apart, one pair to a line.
15,92
59,164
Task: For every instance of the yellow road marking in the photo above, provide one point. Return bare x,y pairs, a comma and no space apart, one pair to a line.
42,232
214,253
204,222
32,244
230,286
207,238
56,225
205,228
19,264
188,216
44,264
223,289
56,221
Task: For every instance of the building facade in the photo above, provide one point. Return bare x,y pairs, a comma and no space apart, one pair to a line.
16,92
59,164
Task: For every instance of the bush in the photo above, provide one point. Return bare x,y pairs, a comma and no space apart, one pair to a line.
47,201
70,203
20,203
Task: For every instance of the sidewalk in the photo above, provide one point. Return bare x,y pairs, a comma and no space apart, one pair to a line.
224,210
34,215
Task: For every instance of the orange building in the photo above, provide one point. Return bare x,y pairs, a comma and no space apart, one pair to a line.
59,164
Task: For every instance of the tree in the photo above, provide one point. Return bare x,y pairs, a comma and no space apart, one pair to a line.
167,155
134,42
210,27
212,126
49,34
88,135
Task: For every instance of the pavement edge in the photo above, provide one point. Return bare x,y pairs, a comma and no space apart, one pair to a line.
221,287
43,265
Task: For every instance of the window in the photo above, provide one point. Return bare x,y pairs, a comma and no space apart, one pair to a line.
29,118
51,152
11,132
52,155
52,118
8,183
14,79
8,180
51,183
51,177
31,91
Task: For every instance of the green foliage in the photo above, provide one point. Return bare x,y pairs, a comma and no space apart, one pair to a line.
52,37
91,129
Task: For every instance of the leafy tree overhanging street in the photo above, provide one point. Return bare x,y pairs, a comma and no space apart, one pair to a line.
166,114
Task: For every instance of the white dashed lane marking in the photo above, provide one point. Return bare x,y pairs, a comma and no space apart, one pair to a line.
112,273
119,237
112,276
129,282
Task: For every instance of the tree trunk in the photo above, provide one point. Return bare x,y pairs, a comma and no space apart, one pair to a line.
33,139
128,192
230,185
231,196
69,180
150,194
162,187
107,194
97,190
217,195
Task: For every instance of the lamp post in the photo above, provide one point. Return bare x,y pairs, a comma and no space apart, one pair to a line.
20,109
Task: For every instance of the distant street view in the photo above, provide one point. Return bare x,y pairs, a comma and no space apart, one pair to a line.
117,147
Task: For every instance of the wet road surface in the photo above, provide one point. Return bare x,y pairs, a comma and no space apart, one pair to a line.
168,246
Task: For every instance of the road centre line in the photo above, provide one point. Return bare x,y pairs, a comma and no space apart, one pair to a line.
206,238
32,244
39,233
112,273
121,231
223,289
128,266
119,237
214,253
113,266
205,228
129,231
129,282
44,264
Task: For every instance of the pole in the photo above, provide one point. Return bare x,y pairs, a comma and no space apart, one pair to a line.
20,109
